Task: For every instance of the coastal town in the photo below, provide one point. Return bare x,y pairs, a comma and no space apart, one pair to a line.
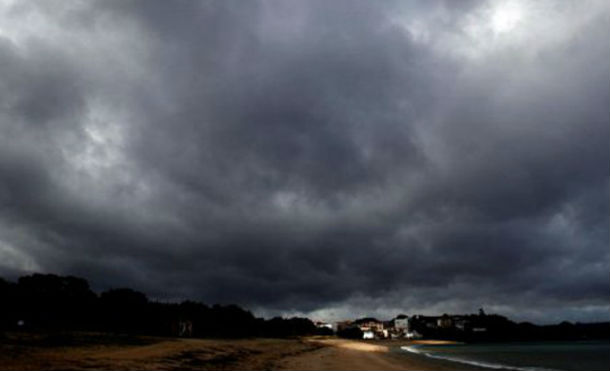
407,327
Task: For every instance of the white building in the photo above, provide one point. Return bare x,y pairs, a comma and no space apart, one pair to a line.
401,323
320,324
368,335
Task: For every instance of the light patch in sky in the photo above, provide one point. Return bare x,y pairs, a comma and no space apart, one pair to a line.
101,149
21,21
506,16
15,258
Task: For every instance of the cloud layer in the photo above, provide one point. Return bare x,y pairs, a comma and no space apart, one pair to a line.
324,158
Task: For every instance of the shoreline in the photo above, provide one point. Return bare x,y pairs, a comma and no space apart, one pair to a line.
343,354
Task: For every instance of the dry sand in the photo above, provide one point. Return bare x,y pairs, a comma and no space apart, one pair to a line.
340,354
150,354
207,354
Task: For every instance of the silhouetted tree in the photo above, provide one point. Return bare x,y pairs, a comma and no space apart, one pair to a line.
324,331
124,310
350,333
8,303
51,301
295,326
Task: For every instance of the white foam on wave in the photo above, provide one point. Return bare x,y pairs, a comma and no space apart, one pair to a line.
496,366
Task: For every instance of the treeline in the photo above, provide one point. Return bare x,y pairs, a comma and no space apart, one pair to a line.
494,327
65,303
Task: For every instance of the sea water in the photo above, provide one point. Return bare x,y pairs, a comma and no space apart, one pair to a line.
540,356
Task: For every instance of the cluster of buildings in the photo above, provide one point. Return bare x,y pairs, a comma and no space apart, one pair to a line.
405,327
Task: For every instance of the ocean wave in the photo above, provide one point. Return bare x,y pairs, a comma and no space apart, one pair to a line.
497,366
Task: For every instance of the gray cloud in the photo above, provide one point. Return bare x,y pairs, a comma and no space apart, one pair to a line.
325,158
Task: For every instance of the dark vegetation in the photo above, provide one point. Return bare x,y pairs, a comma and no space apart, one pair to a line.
499,328
49,302
350,333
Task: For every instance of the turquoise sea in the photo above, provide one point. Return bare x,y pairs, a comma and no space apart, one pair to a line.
536,356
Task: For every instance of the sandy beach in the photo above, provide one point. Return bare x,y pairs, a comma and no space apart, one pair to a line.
93,352
341,354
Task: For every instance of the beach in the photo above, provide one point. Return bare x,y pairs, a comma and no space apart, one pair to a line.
341,354
100,351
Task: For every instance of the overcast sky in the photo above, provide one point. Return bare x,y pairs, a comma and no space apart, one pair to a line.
324,158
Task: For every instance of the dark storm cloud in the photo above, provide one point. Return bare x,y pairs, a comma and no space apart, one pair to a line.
329,158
